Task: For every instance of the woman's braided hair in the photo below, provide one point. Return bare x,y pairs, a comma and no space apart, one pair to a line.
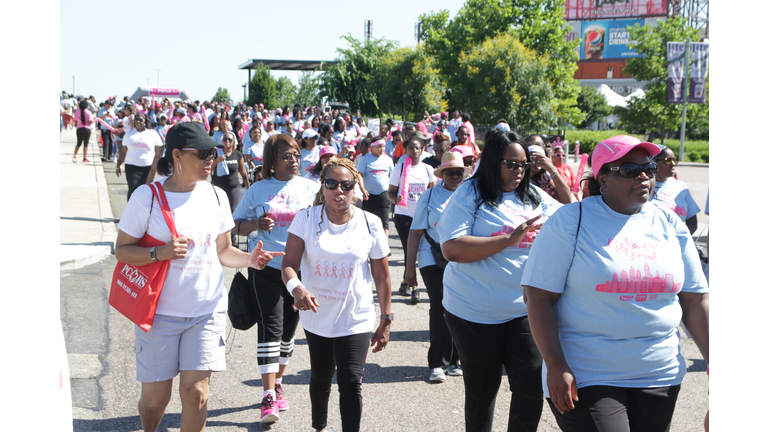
333,163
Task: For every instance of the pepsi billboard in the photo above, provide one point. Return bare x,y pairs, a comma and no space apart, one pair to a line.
607,39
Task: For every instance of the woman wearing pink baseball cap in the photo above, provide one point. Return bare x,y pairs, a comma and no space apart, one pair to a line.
607,282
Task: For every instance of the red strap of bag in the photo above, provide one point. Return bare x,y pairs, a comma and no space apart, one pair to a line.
159,192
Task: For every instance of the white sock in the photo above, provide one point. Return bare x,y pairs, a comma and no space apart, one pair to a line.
268,392
279,381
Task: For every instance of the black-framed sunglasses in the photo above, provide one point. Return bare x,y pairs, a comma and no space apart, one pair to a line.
453,173
632,170
513,165
668,161
228,139
346,185
203,154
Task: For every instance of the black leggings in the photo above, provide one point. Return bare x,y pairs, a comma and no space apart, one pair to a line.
106,139
347,354
619,409
83,136
484,349
135,176
442,351
403,227
278,321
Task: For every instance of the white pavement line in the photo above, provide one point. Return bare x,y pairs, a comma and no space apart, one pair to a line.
84,365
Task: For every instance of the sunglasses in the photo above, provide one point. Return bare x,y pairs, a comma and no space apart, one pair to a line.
346,185
669,161
203,154
443,149
291,156
512,165
227,139
632,170
453,173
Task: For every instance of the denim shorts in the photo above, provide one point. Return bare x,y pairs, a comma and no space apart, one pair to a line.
175,344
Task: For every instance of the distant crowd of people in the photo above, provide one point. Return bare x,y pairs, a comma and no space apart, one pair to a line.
574,286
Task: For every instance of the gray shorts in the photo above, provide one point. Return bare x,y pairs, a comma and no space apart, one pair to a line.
177,343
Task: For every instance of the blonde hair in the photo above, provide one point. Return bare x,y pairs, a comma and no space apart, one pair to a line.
333,163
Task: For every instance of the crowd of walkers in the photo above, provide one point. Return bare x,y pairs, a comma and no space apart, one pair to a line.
578,296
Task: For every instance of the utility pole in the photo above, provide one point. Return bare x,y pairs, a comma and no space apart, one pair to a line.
367,29
417,32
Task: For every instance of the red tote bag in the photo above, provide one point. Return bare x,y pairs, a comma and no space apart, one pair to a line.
136,290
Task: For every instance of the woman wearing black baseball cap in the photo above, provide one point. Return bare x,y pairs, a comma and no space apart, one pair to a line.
187,336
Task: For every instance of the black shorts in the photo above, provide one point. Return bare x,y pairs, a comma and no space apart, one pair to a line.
378,205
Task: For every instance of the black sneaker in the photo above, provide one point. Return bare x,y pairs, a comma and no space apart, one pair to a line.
415,295
405,290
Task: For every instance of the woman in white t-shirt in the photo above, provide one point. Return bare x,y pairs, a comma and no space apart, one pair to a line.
420,177
332,243
671,192
607,283
142,148
188,332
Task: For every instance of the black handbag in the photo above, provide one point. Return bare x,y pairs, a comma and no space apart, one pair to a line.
242,310
434,246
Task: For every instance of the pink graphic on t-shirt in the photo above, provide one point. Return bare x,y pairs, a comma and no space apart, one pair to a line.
333,271
682,211
325,273
640,251
634,282
343,273
525,243
351,273
317,269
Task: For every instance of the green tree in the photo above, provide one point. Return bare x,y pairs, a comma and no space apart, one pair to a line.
222,95
350,79
411,82
538,24
286,92
593,104
653,113
262,88
502,79
309,90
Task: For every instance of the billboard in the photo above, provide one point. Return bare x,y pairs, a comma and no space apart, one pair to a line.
574,33
599,9
607,39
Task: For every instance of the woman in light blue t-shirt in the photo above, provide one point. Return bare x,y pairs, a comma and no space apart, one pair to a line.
607,283
486,231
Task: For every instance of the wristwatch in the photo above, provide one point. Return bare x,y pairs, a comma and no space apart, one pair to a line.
153,254
390,316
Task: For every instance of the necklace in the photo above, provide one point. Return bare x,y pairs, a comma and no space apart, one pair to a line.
346,224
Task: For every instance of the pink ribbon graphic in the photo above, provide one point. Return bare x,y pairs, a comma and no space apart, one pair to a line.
402,199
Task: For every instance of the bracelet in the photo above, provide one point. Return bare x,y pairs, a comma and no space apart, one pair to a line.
553,173
292,284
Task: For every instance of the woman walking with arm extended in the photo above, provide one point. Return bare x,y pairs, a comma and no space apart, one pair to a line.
336,305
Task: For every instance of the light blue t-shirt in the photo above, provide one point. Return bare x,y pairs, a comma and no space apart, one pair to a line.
283,199
375,172
618,310
308,159
428,211
488,291
675,196
389,148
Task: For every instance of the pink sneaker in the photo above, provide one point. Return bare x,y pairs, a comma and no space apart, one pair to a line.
269,412
281,403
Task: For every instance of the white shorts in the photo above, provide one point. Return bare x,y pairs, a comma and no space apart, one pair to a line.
177,343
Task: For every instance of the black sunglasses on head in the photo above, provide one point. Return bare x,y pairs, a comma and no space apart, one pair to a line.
632,170
346,185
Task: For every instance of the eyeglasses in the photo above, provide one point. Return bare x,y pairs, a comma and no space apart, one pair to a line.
453,173
668,161
289,157
513,165
227,139
203,154
346,185
632,170
442,149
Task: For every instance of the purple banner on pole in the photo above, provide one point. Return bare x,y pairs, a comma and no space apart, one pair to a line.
699,69
675,70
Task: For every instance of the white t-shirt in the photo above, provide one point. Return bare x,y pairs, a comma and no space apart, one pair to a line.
141,147
194,285
618,281
421,176
335,269
308,159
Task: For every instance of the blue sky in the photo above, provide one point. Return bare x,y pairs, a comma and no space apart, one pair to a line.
111,48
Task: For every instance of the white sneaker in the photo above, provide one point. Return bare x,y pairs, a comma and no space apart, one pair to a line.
437,375
454,370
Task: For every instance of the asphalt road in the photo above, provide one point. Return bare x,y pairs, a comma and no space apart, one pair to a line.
396,390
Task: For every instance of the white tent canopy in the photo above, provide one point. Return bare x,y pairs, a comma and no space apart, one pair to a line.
613,98
639,93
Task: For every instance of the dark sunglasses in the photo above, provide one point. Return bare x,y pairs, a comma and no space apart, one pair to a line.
346,185
512,165
632,170
203,154
453,173
227,139
443,149
289,157
668,161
